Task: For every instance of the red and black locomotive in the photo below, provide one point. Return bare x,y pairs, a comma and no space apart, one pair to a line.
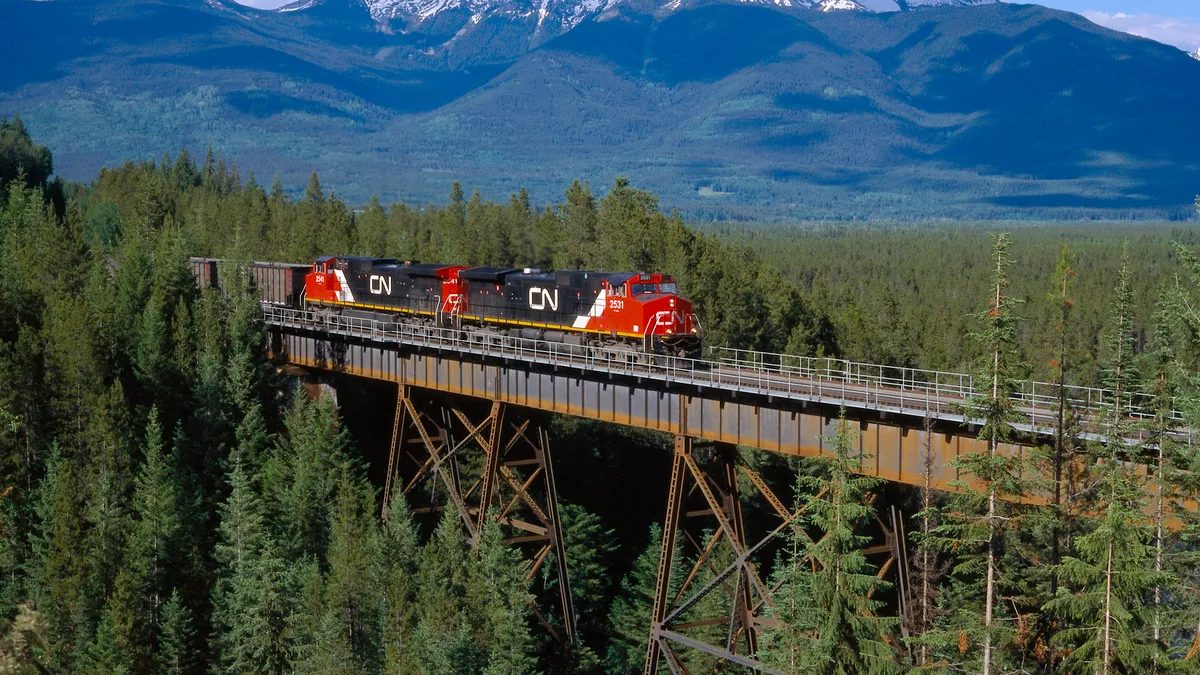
639,311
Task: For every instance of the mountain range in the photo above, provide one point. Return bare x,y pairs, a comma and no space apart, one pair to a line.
745,109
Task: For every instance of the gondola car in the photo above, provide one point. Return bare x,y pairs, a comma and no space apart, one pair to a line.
642,312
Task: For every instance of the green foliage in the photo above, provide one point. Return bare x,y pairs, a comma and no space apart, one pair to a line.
353,602
589,549
441,583
21,160
302,474
177,644
828,619
1108,621
496,583
400,554
152,551
248,598
629,617
984,521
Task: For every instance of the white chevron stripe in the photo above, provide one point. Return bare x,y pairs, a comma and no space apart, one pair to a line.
345,295
596,310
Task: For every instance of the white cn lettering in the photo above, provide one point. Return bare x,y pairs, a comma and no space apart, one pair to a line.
381,285
540,298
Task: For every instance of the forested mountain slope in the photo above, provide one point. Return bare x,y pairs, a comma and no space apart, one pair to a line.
727,110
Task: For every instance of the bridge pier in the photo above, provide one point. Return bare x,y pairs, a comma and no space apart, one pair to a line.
704,478
514,484
705,475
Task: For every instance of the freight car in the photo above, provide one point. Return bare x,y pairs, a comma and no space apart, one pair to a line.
640,312
278,283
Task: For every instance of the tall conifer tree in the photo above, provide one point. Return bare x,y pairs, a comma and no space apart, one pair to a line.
152,551
829,622
975,524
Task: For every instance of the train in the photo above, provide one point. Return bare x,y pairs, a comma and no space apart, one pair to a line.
633,311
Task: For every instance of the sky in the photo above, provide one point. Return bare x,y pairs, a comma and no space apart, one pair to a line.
1175,22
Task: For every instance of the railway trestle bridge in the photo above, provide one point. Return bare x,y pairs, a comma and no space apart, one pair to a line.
778,404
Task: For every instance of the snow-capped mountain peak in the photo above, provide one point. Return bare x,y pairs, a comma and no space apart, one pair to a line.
913,4
571,12
836,5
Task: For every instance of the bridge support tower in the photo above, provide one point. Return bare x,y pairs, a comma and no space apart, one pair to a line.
486,461
711,594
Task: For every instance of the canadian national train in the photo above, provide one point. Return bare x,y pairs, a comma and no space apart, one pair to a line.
641,312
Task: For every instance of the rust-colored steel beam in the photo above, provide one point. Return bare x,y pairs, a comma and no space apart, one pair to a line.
771,424
555,524
491,464
731,533
395,448
451,484
662,588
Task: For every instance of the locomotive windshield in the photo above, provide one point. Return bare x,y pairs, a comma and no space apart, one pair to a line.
639,289
669,288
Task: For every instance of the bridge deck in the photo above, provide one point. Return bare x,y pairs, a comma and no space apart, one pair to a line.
786,408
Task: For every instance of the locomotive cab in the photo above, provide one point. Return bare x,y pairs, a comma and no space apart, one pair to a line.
651,303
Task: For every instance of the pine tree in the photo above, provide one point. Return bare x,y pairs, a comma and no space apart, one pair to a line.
1163,379
1113,573
152,549
1064,275
589,551
399,562
61,578
828,619
352,587
629,617
302,475
576,239
1117,372
441,587
497,584
247,598
177,642
975,526
373,229
928,568
120,644
1111,578
456,240
103,655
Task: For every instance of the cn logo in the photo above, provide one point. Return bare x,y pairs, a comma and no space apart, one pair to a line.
381,285
669,318
540,298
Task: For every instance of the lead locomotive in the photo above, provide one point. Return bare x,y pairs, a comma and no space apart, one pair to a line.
639,311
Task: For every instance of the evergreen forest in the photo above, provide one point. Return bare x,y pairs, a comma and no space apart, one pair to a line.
171,501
